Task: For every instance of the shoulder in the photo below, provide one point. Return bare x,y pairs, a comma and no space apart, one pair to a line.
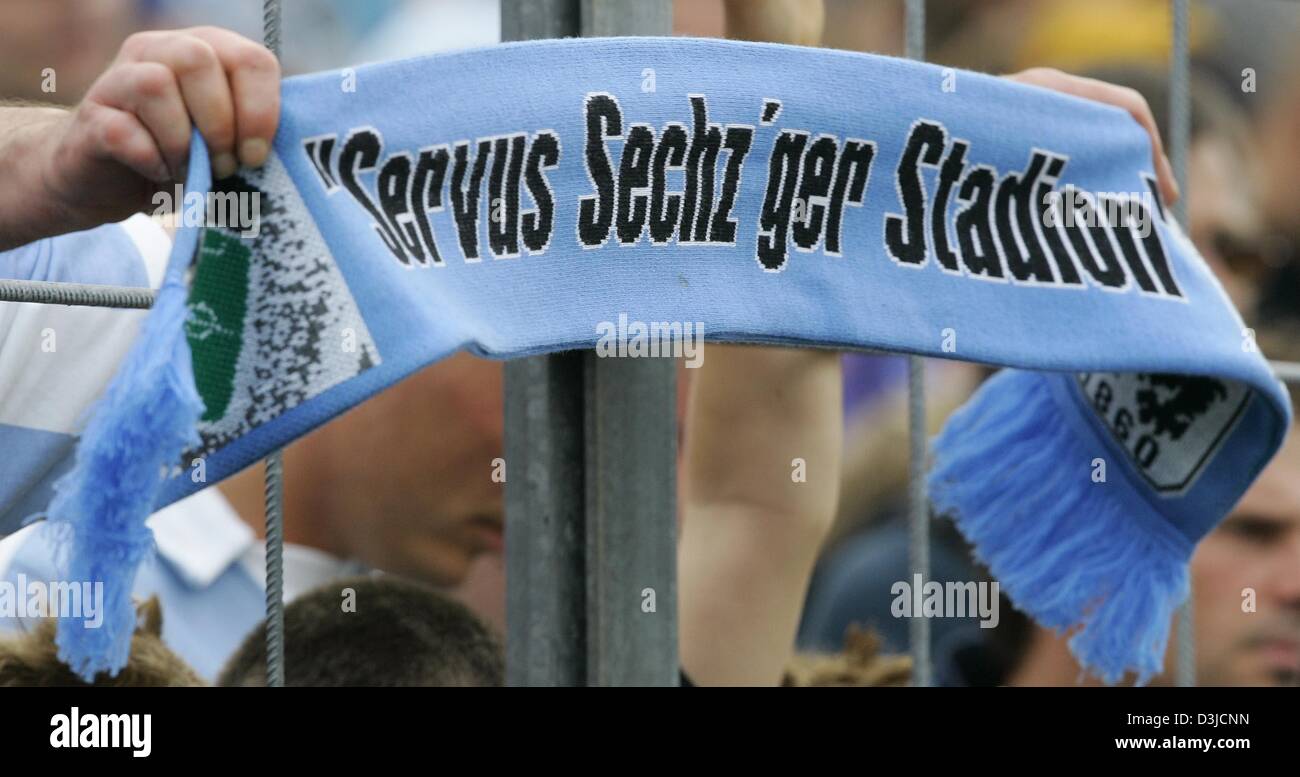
128,253
55,360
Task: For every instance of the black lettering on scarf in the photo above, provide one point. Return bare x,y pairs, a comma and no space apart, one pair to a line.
634,183
905,234
395,199
538,224
699,140
774,220
1052,232
708,170
814,192
596,211
665,207
1152,244
360,153
465,199
1025,259
949,174
426,193
320,150
1093,248
1116,211
974,229
739,137
503,195
851,176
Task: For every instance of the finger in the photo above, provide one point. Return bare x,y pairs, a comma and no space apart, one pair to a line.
205,90
797,22
1133,102
1121,97
149,90
119,136
254,76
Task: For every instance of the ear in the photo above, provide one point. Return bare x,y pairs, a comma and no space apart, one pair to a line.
149,617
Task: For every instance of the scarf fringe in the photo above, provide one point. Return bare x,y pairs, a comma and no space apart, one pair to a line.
137,432
147,417
1015,477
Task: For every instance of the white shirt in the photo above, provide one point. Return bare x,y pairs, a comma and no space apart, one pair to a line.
202,536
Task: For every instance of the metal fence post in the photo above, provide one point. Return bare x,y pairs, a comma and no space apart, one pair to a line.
1179,135
631,441
545,537
274,472
918,546
591,471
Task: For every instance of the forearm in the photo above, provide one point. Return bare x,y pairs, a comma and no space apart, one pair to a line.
764,430
761,484
28,211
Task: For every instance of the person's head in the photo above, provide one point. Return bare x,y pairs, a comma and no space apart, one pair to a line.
410,481
374,631
860,664
1246,573
1252,51
52,50
1224,199
32,660
1245,577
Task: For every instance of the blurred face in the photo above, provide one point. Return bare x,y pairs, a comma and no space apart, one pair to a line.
76,39
406,479
1277,136
1257,548
1225,225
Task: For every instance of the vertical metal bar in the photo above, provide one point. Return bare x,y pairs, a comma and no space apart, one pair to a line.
546,604
604,18
591,471
631,459
631,437
537,20
1179,138
274,571
918,547
1180,107
274,480
545,537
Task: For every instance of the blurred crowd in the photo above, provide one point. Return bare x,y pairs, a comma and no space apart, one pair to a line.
1241,190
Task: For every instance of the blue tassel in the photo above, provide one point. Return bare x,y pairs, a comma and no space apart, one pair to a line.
136,433
1014,474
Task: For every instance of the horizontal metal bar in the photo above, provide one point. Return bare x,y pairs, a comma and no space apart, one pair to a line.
1288,372
79,294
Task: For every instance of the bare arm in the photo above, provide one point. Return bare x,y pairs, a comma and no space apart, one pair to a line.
761,484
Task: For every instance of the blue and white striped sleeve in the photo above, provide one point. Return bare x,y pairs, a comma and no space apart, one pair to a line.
56,360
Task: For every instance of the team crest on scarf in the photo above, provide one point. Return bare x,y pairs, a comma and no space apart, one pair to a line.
272,322
1170,425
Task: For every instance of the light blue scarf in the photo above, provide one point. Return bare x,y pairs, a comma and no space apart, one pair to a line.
511,200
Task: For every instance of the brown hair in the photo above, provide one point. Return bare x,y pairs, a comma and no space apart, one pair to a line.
399,633
32,659
861,664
